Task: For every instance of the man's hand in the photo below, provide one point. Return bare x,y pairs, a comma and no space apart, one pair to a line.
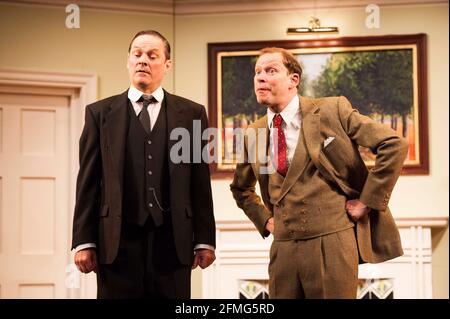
356,209
86,260
270,225
203,258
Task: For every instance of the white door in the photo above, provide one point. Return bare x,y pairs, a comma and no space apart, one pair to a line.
34,192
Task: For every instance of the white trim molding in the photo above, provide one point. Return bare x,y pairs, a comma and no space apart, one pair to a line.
204,7
243,255
164,7
198,7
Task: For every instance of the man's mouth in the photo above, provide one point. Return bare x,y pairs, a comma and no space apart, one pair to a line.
142,71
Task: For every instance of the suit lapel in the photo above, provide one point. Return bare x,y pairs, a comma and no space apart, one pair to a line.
255,141
311,128
174,113
262,139
297,166
116,126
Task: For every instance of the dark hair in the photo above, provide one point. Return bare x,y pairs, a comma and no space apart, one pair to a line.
289,60
156,34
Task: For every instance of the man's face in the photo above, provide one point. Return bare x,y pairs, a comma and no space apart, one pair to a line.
147,64
274,87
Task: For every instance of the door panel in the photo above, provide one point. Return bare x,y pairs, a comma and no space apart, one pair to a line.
34,195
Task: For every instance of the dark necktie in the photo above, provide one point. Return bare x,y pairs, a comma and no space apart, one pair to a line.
144,118
279,142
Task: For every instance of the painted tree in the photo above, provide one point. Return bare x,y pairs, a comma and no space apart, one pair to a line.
238,95
374,81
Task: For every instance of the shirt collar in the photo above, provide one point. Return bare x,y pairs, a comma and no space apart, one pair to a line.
290,113
134,94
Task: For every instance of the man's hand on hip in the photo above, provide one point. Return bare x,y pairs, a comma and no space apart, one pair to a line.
356,209
86,260
203,258
270,225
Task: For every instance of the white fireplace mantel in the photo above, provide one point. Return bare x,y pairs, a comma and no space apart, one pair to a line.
242,254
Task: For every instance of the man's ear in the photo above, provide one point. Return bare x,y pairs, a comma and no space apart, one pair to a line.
295,79
168,64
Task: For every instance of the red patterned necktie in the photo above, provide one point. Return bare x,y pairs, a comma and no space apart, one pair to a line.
279,142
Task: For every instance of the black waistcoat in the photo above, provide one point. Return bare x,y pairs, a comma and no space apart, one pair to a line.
146,173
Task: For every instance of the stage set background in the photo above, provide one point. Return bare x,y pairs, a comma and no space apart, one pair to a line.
34,37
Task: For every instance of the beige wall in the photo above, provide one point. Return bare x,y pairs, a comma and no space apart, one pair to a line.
35,37
440,263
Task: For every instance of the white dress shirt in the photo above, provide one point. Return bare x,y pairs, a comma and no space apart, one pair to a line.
153,111
291,126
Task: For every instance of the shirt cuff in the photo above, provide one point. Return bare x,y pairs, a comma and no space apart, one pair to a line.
204,246
85,246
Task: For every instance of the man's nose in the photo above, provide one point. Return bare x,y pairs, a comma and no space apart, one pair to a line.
260,77
142,64
143,59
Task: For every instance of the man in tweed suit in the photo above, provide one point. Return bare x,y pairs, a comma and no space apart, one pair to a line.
326,211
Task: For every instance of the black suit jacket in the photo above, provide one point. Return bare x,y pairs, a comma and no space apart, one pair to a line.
98,209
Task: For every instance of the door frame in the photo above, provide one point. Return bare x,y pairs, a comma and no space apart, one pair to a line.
83,90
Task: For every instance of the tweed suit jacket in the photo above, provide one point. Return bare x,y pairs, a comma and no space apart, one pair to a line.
339,163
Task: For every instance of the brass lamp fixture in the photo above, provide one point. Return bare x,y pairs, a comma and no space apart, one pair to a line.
313,27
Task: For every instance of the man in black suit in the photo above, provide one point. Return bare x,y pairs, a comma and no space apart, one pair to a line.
142,220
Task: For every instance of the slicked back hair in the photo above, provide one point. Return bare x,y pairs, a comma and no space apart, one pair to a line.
156,34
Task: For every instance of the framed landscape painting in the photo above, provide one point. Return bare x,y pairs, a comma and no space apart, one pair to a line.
384,77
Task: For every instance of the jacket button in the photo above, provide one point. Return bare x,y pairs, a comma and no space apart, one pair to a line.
150,205
149,142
